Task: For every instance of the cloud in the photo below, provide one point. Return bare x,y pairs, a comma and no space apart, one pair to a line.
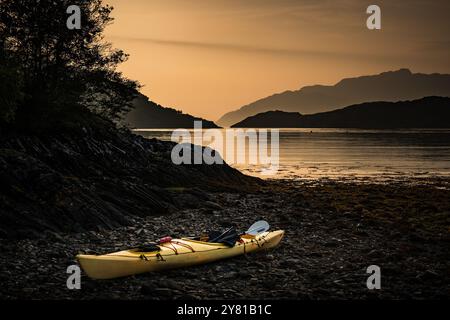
251,49
437,45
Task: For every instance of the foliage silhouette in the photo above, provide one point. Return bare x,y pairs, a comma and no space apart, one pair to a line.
59,73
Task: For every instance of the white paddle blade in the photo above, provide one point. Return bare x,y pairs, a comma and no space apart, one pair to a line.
258,227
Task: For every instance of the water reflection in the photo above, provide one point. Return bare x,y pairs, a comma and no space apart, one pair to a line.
353,153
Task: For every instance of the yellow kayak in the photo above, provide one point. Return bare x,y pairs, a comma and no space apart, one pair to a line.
174,254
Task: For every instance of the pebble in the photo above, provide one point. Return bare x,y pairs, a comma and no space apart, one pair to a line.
317,259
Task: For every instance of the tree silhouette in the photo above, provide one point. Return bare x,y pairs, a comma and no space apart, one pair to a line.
60,70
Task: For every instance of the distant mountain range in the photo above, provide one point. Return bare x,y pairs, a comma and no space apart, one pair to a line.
148,114
428,112
388,86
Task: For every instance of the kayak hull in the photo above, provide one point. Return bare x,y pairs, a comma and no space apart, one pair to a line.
176,254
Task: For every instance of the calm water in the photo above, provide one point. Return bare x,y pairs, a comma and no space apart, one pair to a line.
354,153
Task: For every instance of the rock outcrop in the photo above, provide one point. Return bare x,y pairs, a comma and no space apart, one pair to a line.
97,179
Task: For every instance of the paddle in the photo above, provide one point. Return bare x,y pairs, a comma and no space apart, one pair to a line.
258,227
255,229
222,234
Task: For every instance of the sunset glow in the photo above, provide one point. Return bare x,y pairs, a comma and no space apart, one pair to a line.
210,57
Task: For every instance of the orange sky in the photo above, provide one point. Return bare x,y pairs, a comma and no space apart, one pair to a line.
208,57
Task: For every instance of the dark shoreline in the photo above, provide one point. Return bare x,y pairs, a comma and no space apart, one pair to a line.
334,231
96,178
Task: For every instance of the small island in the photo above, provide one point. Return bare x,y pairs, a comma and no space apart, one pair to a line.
428,112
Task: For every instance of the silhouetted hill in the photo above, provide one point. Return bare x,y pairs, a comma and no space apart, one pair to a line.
147,114
428,112
271,119
387,86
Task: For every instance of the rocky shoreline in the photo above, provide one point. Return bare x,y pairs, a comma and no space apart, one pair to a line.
97,178
334,231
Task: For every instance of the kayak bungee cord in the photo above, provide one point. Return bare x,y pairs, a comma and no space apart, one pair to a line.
183,245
